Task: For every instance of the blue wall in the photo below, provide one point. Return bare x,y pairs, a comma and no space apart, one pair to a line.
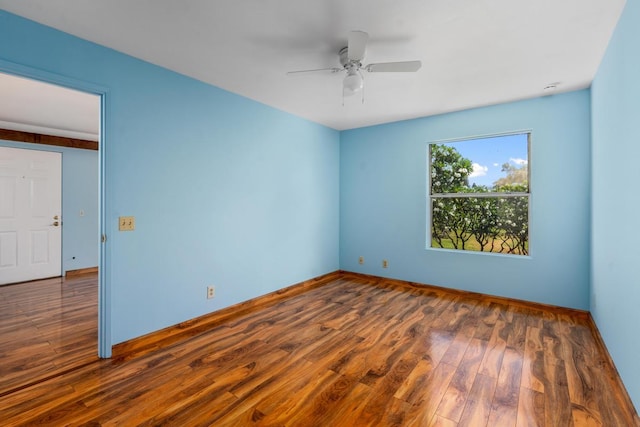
225,191
615,291
383,181
80,237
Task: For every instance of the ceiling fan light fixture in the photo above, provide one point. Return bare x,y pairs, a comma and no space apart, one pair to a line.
351,57
353,82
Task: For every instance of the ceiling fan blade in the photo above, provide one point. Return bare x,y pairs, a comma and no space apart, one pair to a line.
391,67
357,45
317,70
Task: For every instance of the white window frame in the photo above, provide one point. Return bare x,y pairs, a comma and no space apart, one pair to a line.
433,197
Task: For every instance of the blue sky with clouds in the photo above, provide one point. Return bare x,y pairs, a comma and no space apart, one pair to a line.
489,154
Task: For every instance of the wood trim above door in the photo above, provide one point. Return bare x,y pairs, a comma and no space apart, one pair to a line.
36,138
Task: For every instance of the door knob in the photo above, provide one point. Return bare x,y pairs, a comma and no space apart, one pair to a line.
56,217
56,223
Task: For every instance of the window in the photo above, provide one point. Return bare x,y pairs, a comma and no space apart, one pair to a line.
479,194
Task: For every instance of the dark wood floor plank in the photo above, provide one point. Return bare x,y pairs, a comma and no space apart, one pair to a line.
277,408
413,388
439,421
492,361
532,372
478,407
433,344
46,327
425,400
530,408
266,389
518,331
504,409
557,400
353,351
457,348
353,403
455,397
580,363
382,408
583,416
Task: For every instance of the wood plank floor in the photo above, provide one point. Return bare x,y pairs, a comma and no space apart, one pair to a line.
46,327
358,351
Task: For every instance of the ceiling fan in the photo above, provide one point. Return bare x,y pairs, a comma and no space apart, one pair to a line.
351,58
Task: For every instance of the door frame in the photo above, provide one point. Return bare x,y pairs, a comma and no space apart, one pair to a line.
104,294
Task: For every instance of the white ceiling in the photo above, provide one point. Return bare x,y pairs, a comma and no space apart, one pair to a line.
33,106
474,52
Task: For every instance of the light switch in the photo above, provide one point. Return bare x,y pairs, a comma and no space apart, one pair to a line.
126,223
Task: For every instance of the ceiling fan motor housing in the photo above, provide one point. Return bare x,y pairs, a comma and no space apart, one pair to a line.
344,59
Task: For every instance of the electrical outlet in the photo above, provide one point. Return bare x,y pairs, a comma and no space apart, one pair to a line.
211,292
385,263
361,260
127,223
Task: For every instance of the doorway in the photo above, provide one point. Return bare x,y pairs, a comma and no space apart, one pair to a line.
50,120
60,130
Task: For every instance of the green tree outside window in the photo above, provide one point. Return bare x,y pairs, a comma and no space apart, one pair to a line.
477,217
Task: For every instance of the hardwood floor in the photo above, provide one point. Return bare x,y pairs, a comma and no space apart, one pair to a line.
46,327
357,351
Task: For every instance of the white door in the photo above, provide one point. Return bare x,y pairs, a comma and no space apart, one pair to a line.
30,214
